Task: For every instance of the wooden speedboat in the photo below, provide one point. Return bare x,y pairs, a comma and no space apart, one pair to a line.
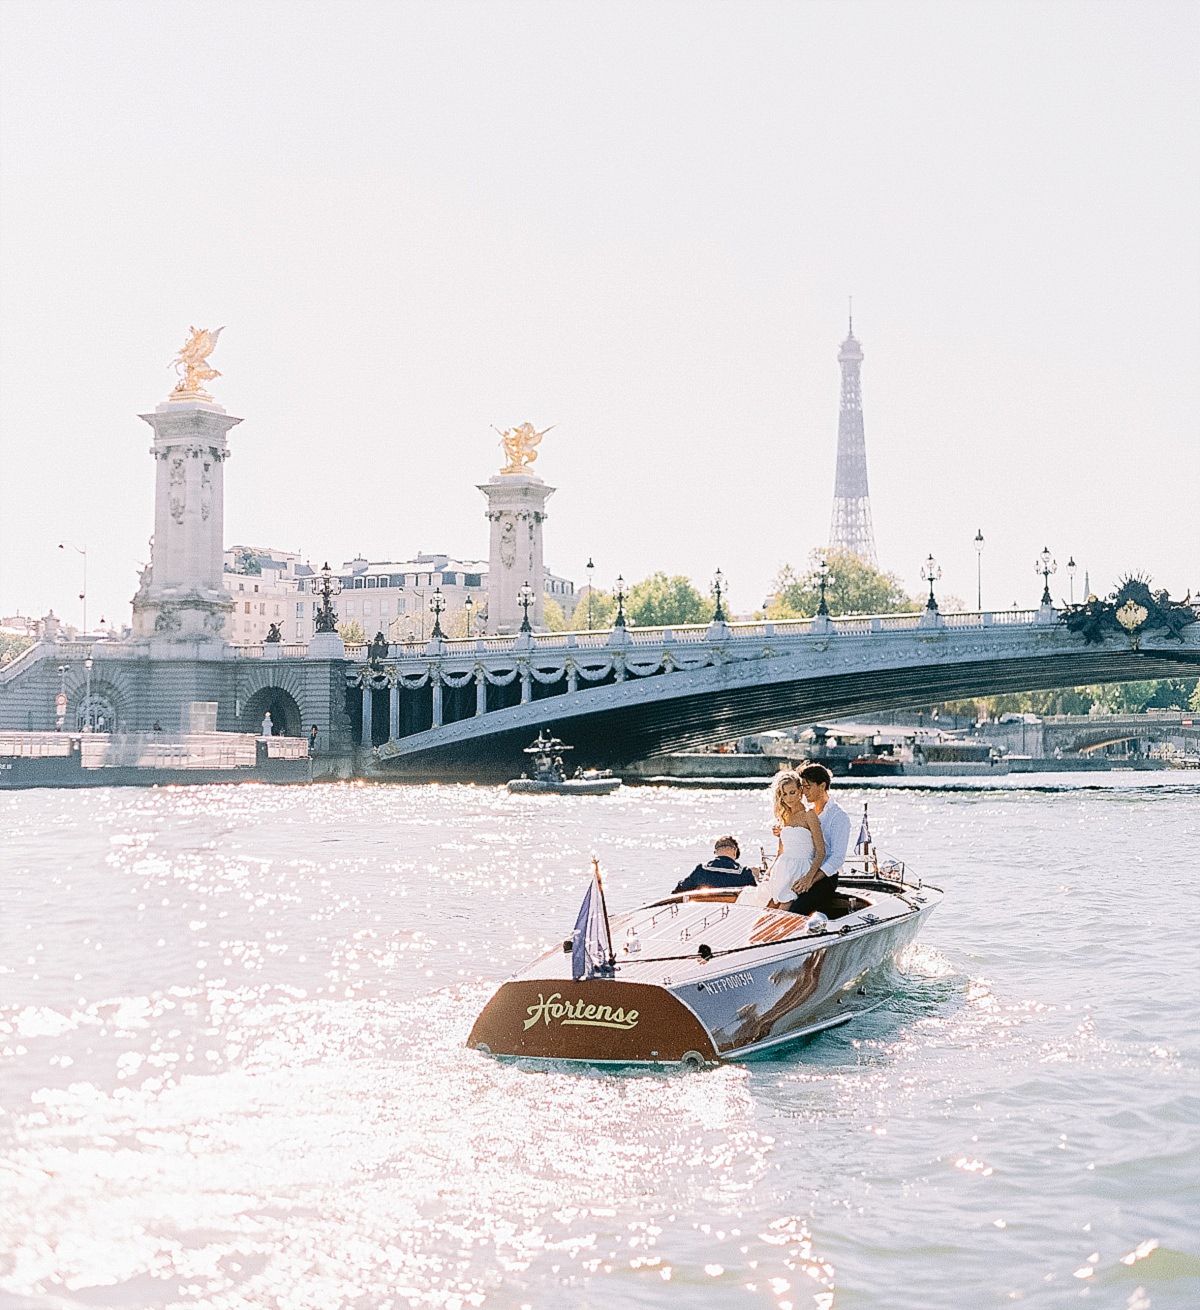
700,977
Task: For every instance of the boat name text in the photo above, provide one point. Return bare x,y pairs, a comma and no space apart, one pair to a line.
585,1014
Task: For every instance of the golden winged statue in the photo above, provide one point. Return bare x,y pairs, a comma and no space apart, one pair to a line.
192,364
518,445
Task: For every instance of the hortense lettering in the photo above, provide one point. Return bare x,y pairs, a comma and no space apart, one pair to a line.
584,1014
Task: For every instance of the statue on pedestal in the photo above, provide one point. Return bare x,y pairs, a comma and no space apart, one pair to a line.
192,364
518,445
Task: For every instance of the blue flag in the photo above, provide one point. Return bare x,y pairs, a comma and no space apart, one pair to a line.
864,835
591,944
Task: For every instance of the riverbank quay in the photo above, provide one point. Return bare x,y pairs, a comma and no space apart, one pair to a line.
154,759
732,771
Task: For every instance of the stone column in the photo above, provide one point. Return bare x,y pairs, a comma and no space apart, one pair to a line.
394,711
516,510
368,717
435,678
182,596
480,693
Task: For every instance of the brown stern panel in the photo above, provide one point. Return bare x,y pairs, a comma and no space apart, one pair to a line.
597,1020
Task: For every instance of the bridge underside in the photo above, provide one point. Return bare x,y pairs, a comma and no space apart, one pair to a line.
609,727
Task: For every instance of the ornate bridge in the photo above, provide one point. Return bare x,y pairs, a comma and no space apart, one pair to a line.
467,708
1085,733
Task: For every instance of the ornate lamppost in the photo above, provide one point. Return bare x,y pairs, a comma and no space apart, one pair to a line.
437,603
60,707
1045,564
718,589
525,599
589,566
80,550
327,587
1071,567
979,570
619,621
931,570
469,606
823,581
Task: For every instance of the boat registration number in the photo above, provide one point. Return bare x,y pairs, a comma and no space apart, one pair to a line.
726,984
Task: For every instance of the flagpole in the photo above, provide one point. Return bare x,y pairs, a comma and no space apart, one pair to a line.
612,959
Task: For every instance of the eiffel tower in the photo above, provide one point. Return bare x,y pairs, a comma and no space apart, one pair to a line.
851,528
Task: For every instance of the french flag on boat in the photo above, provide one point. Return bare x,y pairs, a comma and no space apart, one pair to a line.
864,835
591,942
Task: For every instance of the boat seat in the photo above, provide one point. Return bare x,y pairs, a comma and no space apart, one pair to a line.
840,906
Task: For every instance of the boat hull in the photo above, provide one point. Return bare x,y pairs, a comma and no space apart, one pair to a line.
571,787
827,984
599,1020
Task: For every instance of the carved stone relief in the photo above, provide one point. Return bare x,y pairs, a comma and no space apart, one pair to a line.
177,496
508,543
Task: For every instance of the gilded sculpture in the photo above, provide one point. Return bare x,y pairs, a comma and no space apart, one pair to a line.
192,364
519,445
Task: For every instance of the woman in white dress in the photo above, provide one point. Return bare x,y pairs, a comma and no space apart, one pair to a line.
801,843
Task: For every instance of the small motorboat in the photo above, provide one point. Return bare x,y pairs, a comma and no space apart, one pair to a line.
549,773
875,765
702,977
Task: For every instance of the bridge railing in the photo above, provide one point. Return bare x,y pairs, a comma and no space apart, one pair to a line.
1107,719
999,617
259,650
47,650
598,639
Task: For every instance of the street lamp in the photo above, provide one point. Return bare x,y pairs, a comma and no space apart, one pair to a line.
589,566
823,580
525,599
979,570
437,603
87,696
718,587
1045,564
469,606
930,572
1071,567
619,621
82,550
327,587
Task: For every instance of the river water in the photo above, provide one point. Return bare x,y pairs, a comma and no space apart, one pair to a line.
232,1070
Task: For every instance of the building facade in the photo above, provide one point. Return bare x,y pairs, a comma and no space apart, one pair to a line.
267,586
394,597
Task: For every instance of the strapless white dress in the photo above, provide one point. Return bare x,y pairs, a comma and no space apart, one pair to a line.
790,867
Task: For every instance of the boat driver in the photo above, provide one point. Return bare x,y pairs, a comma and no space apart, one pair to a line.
835,828
722,871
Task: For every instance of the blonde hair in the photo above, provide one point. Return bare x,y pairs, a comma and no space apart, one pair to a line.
781,808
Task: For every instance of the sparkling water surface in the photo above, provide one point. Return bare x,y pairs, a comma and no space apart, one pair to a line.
232,1070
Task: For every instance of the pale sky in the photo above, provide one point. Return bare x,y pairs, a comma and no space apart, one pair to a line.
639,222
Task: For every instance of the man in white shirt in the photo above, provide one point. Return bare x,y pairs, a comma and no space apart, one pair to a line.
835,828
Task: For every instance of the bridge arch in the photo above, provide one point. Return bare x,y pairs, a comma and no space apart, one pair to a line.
103,706
286,719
